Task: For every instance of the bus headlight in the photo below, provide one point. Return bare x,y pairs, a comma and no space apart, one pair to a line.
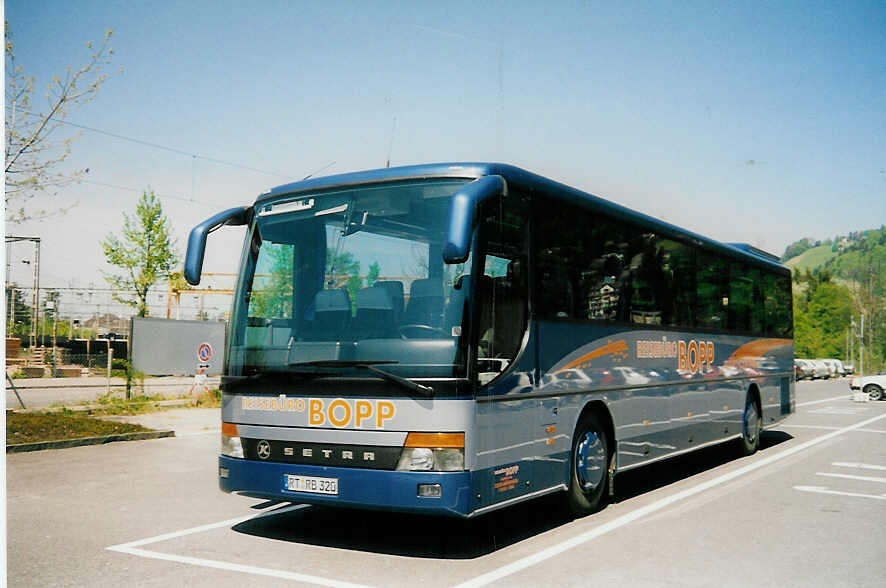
230,441
416,459
433,452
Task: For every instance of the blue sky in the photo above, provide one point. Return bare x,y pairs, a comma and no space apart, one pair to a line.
746,121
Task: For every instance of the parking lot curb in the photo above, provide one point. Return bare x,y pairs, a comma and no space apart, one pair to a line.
23,447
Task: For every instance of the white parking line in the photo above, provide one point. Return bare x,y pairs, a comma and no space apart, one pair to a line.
855,464
826,428
831,399
823,490
232,567
209,527
133,548
641,512
851,477
838,410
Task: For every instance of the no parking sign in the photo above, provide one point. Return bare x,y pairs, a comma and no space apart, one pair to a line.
204,352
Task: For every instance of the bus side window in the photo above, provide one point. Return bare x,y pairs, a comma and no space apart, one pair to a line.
745,298
561,280
646,287
779,310
712,277
679,265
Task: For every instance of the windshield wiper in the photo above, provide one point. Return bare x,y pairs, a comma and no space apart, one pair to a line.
342,362
370,364
231,382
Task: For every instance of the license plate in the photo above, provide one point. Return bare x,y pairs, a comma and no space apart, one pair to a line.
311,484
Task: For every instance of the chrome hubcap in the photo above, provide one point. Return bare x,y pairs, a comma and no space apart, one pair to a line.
751,423
590,461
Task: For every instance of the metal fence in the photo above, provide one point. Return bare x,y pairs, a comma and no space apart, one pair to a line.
66,379
61,363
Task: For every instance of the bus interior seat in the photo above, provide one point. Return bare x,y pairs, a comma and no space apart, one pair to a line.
425,303
375,314
394,289
332,312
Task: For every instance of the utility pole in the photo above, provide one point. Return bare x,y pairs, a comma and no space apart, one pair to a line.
52,305
35,308
861,347
11,328
852,343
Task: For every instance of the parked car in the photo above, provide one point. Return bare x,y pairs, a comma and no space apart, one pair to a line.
872,385
835,367
803,370
848,368
832,369
821,369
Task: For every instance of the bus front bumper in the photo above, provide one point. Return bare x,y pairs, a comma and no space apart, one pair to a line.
357,488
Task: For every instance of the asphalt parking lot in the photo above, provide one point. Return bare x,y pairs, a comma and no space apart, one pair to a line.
809,509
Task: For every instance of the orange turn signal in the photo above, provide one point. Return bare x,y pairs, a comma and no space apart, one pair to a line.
436,440
229,430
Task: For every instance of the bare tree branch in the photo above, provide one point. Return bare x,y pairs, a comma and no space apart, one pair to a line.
32,157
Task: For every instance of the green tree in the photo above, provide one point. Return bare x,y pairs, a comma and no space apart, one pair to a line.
821,321
272,287
35,147
343,271
18,312
145,253
374,273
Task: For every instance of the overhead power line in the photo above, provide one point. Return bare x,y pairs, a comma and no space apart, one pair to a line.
182,198
164,147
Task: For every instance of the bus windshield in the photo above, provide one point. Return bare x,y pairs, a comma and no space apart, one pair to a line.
336,280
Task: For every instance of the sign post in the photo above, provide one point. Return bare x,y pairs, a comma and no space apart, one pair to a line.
204,354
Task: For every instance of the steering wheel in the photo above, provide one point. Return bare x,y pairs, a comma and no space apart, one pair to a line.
420,332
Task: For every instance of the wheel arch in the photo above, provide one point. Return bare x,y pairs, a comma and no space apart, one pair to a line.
754,393
599,408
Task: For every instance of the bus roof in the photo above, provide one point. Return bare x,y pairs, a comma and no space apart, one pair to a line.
516,176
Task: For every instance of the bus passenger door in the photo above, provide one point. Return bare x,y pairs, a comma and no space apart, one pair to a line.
505,359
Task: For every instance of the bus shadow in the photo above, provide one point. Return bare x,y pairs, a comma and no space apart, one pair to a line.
666,472
419,536
409,535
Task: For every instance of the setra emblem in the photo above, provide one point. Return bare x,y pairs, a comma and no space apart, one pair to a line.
264,449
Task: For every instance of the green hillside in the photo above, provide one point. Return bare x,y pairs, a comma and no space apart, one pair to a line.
811,258
836,282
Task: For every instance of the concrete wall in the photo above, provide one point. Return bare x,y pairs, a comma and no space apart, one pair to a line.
169,347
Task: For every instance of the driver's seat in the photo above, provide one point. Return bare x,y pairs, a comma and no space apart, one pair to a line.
425,305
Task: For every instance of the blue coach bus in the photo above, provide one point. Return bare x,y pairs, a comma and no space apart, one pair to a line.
456,338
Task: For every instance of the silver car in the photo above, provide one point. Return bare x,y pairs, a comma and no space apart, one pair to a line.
834,367
821,369
804,369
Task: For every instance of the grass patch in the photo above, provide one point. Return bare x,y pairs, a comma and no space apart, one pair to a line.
209,399
811,258
113,404
37,427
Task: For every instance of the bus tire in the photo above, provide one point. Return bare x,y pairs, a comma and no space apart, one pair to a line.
874,392
589,466
751,425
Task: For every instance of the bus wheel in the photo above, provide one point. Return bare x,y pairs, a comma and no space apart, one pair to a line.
874,392
751,425
590,459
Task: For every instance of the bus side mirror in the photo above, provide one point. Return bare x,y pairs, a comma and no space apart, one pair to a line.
197,239
463,215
